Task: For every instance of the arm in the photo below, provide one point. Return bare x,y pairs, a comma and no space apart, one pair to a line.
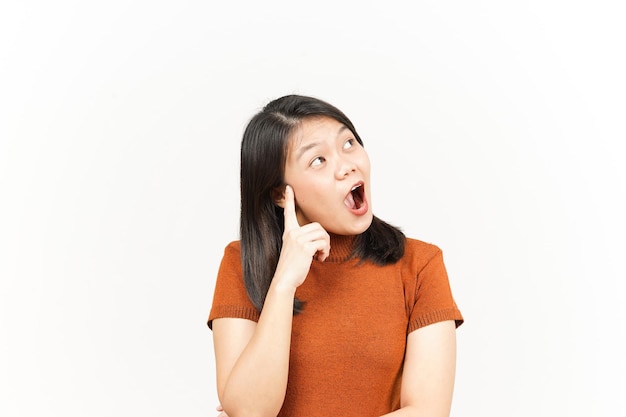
429,368
252,359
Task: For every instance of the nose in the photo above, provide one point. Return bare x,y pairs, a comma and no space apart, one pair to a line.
345,167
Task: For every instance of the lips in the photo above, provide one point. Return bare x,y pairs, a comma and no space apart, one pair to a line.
355,200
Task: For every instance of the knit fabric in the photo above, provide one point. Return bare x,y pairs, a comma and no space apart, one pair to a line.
348,344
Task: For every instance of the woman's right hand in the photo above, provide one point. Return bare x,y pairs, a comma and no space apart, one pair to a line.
300,245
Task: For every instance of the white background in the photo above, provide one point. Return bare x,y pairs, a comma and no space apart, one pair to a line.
494,130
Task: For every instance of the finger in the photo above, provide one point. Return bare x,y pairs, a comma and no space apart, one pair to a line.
291,221
319,238
323,251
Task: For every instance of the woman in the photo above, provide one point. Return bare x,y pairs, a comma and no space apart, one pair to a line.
322,308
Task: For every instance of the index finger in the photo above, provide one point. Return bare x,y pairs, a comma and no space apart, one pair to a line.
291,221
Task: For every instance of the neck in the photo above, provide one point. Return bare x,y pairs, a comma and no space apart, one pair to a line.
340,248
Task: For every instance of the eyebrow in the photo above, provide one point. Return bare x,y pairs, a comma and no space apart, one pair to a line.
312,145
305,148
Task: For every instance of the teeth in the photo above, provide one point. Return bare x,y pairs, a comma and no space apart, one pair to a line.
355,187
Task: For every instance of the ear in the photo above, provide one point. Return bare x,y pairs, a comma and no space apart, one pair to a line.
278,195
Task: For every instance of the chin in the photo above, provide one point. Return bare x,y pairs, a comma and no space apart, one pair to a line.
368,223
361,226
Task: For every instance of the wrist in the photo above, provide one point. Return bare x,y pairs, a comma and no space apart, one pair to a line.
282,288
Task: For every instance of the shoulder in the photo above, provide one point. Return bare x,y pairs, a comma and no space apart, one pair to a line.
418,253
232,254
415,247
234,246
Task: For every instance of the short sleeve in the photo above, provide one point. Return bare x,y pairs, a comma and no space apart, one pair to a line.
230,298
433,296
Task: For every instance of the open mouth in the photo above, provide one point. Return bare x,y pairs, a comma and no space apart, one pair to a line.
356,197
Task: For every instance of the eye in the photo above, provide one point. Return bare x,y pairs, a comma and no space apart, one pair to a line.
317,161
349,143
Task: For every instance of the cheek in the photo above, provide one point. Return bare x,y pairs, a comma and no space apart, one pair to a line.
307,209
308,187
365,162
307,197
310,199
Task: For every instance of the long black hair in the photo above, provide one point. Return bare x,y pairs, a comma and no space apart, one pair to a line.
263,156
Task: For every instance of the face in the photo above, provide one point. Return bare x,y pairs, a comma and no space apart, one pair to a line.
329,172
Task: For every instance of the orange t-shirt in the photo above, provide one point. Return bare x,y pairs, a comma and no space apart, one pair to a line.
348,344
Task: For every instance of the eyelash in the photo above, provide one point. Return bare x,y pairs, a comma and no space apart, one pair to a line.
319,158
322,159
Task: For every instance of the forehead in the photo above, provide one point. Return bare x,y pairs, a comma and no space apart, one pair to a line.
314,129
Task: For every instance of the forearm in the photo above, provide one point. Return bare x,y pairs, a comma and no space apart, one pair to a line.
411,411
257,383
428,373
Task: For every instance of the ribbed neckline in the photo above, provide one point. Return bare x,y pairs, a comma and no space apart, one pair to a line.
340,248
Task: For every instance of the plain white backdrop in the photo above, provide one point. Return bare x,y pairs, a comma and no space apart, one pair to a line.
495,131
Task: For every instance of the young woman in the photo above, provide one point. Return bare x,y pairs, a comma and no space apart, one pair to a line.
322,309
